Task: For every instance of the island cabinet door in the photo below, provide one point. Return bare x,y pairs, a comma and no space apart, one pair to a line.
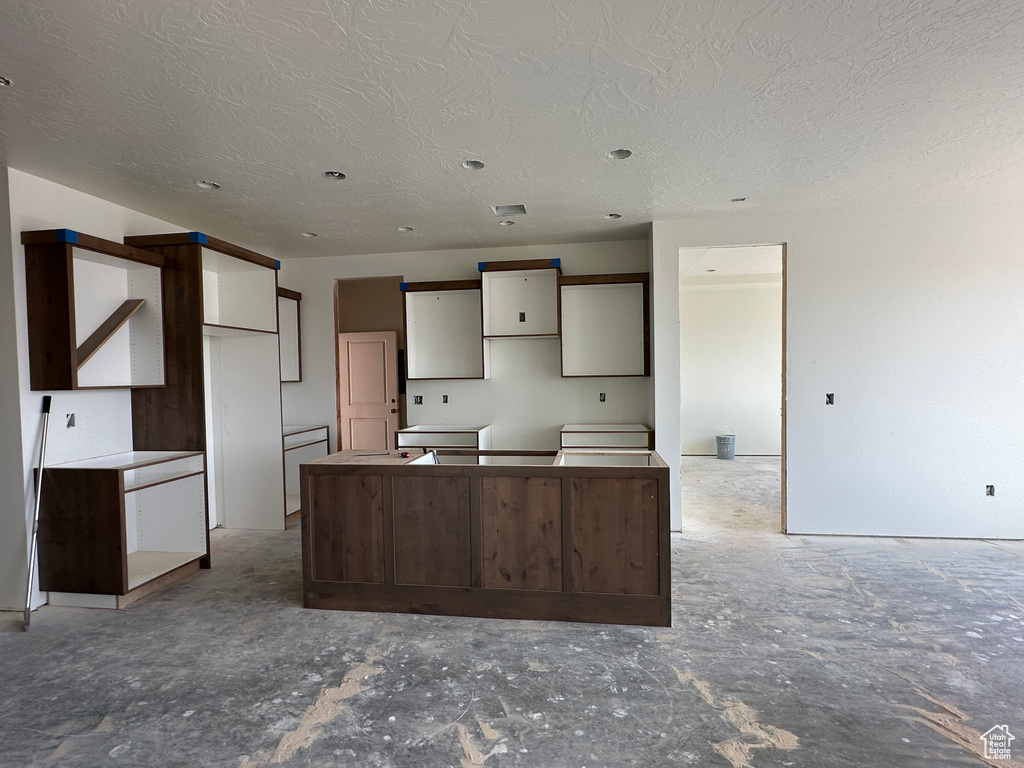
615,535
432,531
521,532
345,528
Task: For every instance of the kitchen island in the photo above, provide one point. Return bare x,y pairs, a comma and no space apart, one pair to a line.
570,536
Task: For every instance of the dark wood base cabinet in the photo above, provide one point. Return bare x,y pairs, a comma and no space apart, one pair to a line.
555,542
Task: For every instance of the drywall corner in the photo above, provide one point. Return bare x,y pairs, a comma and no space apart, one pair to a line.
664,255
13,549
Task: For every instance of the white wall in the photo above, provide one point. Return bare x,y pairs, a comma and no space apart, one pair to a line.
525,399
913,319
13,541
731,366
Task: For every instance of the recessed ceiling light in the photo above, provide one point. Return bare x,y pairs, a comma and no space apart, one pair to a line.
5,82
207,184
506,223
737,200
335,175
472,165
613,215
310,234
619,154
405,229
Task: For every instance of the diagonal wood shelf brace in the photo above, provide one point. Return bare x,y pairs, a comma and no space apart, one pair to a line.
107,329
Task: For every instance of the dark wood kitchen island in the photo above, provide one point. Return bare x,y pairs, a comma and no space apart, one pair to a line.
567,536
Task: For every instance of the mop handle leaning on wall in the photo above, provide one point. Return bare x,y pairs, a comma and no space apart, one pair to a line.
35,513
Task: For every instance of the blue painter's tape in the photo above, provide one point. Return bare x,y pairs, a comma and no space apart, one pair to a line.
67,236
278,263
403,286
197,237
556,262
481,266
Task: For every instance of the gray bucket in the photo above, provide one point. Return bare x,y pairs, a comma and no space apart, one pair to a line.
726,446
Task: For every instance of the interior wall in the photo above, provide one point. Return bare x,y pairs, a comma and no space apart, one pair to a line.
911,317
102,417
13,533
730,336
525,399
371,304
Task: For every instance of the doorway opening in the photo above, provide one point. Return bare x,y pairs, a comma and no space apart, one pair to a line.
732,387
369,328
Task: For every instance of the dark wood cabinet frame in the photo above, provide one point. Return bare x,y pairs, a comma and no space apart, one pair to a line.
565,543
83,533
627,277
54,356
515,266
444,285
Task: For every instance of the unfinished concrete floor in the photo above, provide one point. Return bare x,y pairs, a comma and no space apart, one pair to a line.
784,652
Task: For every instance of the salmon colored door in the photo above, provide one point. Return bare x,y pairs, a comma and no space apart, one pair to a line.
367,390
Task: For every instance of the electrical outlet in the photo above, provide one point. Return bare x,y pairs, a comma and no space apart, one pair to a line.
444,399
417,399
602,397
990,490
830,398
71,420
522,317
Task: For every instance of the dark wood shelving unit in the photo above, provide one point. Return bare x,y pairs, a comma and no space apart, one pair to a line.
77,284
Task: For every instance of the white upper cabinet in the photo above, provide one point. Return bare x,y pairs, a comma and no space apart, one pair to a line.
604,325
289,334
238,295
520,298
443,336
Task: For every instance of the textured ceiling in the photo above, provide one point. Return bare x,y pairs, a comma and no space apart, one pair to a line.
789,103
701,263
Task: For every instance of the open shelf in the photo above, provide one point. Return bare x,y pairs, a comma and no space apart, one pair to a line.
95,312
301,444
520,298
238,295
144,566
110,524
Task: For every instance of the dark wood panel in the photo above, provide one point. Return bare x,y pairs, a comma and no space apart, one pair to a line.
107,328
615,535
51,316
82,545
440,513
624,277
504,266
346,528
174,416
156,242
521,522
90,243
492,603
432,532
444,285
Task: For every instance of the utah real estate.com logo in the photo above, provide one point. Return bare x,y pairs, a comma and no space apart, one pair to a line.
997,742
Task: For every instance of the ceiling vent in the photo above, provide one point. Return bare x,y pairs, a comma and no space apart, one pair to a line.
509,210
